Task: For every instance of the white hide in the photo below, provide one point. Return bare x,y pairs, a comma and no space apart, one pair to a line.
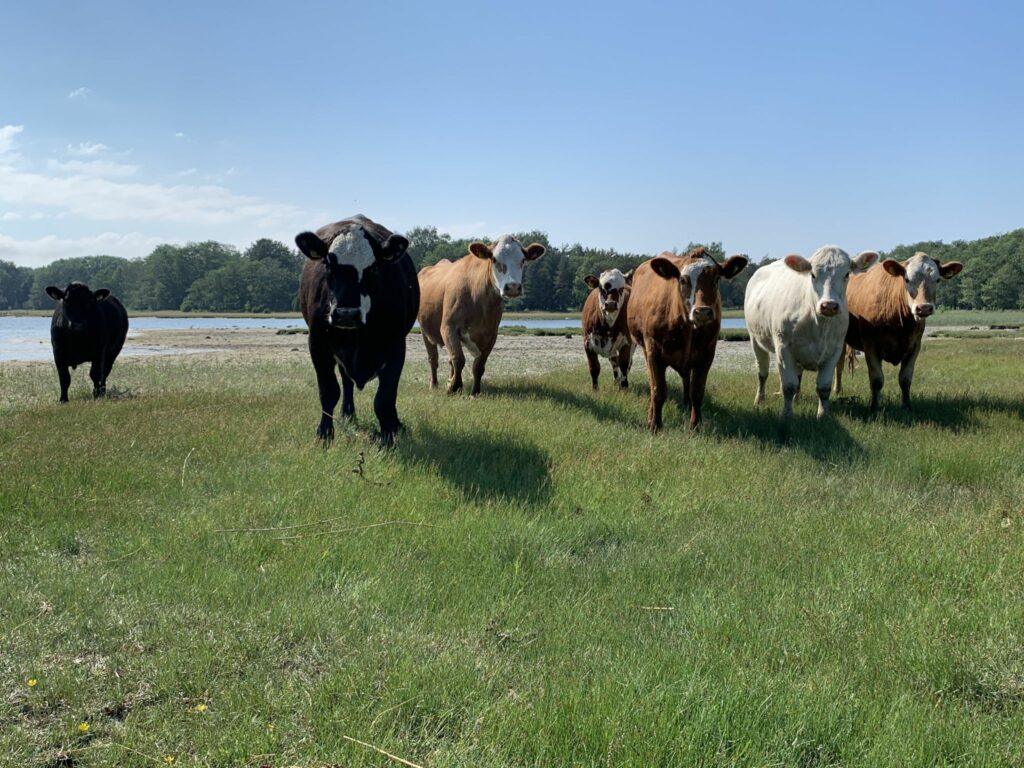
352,249
782,314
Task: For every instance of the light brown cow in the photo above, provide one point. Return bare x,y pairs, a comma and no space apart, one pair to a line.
604,325
675,314
889,305
461,304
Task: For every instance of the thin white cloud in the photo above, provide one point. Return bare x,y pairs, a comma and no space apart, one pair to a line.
7,134
92,168
11,216
80,93
36,253
179,135
87,148
187,172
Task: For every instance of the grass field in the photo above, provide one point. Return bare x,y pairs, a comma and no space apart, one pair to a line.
528,579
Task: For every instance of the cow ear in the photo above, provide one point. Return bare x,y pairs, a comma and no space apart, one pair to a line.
864,260
894,268
950,269
480,250
311,245
534,251
797,263
591,281
101,294
733,266
665,268
394,248
54,293
629,277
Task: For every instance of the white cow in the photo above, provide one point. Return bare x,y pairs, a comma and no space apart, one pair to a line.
796,309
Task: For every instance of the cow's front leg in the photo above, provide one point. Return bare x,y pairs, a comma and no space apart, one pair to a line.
385,401
330,392
698,379
594,366
789,377
907,376
823,383
64,377
97,372
348,400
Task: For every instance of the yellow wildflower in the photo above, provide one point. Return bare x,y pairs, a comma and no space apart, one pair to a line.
169,759
83,727
200,708
31,682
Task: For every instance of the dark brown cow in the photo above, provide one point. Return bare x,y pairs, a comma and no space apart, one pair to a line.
604,325
461,304
889,305
675,314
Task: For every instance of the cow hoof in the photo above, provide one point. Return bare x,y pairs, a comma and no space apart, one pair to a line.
385,440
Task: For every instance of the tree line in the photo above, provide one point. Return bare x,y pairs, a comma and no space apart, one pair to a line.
213,277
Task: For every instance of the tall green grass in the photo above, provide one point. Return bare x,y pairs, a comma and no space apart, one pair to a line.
554,587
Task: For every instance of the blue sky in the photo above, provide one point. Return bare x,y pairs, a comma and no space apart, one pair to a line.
773,128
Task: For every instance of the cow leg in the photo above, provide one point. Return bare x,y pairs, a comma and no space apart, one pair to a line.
823,382
762,372
330,392
789,377
659,390
479,365
875,376
385,401
907,376
348,400
594,364
698,380
839,375
622,369
456,358
99,379
64,377
687,383
431,359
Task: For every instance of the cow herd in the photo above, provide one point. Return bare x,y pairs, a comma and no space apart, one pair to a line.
360,296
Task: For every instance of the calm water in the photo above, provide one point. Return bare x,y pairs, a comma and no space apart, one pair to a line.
28,338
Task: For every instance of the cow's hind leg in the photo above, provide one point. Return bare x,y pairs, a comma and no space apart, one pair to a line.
385,401
431,359
625,360
456,358
762,372
659,389
876,376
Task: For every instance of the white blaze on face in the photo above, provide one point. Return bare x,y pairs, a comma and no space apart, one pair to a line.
353,250
830,273
693,271
508,265
612,287
922,280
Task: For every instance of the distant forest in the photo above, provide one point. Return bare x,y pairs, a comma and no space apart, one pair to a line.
213,277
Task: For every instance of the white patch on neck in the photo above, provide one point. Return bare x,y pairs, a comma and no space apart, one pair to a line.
352,249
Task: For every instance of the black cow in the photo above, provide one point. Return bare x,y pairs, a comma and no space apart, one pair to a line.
87,327
359,296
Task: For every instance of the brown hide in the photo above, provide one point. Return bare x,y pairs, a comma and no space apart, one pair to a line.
459,302
595,325
658,320
880,315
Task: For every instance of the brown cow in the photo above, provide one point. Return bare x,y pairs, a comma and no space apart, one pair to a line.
604,325
889,305
461,304
675,314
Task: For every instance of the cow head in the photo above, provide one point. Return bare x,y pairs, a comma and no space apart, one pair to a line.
829,271
77,302
612,287
507,259
920,274
352,261
698,280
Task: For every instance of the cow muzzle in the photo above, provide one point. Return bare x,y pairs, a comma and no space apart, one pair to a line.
702,315
512,290
924,310
611,306
346,319
829,308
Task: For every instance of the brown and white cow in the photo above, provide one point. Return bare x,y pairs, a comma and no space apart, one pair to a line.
461,304
675,314
889,305
604,325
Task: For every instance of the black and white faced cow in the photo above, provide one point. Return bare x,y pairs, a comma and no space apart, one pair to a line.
359,297
604,325
87,327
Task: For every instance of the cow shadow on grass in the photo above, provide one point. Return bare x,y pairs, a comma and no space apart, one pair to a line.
480,465
619,409
952,413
